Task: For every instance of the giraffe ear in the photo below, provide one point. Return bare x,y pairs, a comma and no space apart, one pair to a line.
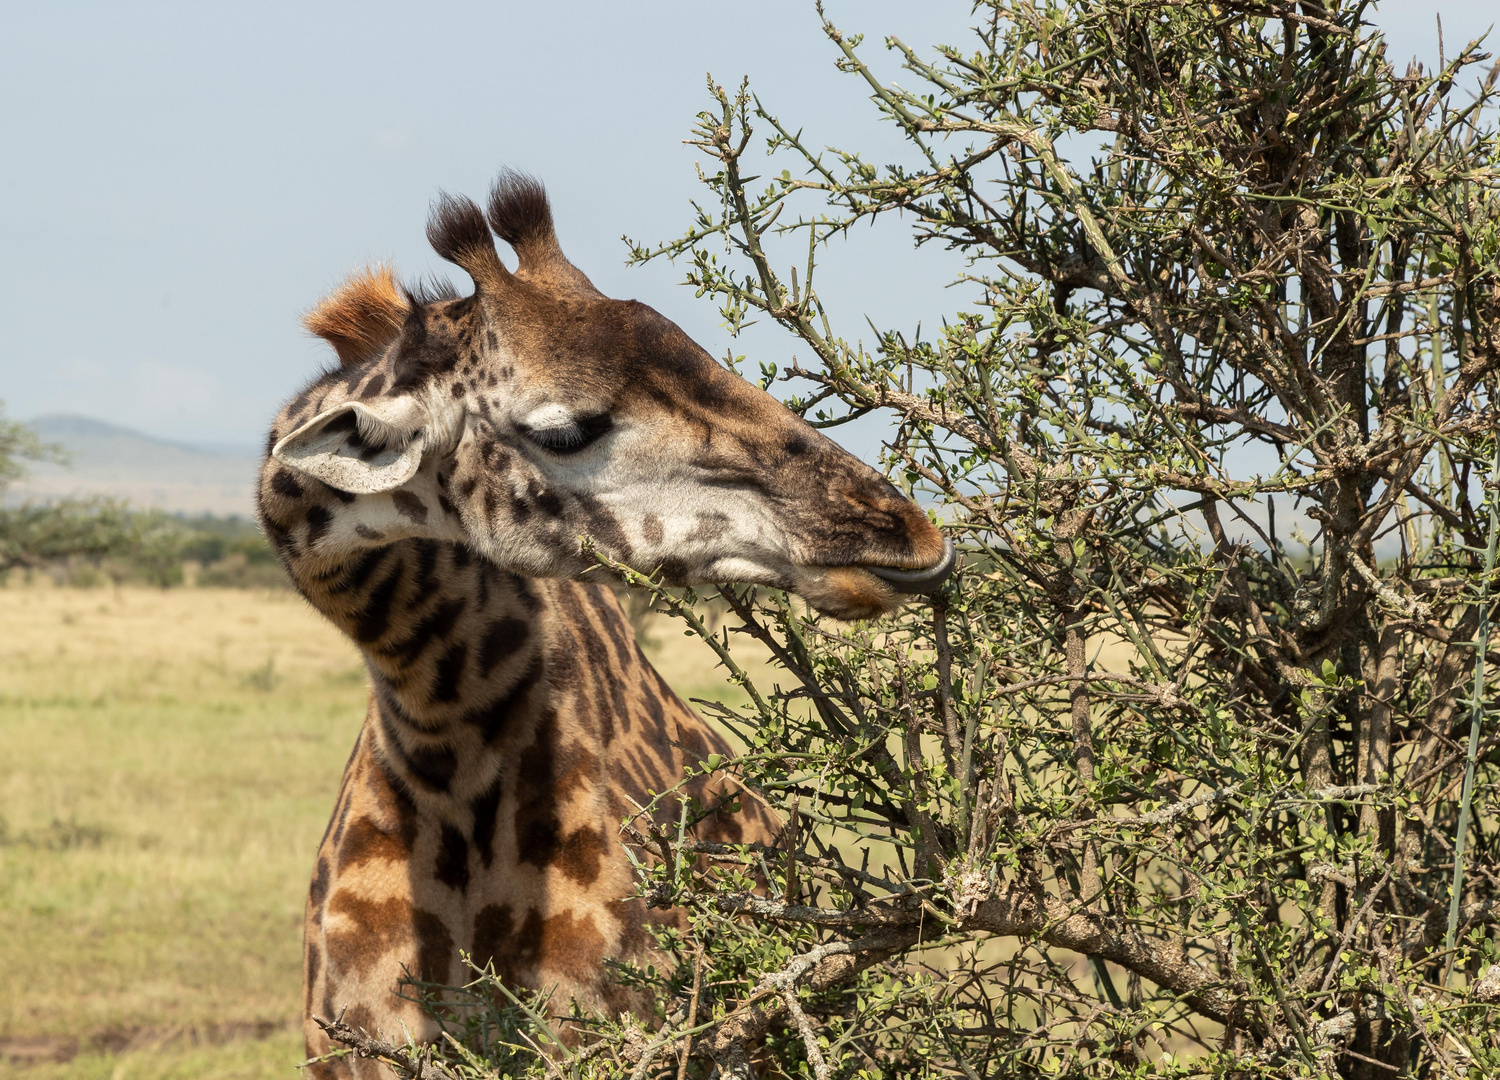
353,448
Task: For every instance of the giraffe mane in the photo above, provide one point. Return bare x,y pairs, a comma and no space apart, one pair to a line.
362,315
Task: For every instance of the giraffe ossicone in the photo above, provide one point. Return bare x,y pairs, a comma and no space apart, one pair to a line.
427,496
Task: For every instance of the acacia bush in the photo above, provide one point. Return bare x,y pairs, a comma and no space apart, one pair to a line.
1191,770
71,533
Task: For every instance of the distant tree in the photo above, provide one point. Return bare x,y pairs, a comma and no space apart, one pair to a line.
35,535
19,444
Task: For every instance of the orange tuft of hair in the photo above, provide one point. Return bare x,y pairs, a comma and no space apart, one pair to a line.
848,592
361,316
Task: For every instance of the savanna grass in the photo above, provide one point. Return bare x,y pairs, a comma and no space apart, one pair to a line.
171,757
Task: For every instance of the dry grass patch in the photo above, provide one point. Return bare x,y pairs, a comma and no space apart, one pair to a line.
171,761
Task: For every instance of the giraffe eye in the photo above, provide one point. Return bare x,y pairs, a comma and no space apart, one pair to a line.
571,437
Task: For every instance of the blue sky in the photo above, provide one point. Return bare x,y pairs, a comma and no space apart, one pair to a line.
181,180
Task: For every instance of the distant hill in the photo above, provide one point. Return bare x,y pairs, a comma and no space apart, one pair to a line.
150,472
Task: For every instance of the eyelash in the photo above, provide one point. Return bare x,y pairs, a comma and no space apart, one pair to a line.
571,438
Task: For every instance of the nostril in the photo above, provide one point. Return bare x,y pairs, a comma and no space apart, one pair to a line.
875,502
857,498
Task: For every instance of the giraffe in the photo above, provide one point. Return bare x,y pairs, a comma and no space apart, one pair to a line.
427,496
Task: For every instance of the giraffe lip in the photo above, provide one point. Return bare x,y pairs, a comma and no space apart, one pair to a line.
919,581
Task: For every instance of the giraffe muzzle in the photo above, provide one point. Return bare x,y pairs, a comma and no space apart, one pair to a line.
919,581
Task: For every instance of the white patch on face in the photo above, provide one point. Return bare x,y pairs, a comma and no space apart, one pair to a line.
380,515
746,572
643,471
713,533
548,416
716,533
444,416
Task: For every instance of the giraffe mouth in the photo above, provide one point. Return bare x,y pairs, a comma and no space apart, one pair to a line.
919,581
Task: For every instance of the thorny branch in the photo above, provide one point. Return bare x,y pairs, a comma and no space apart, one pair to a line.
414,1064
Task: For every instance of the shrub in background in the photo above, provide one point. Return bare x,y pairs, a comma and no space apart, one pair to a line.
89,540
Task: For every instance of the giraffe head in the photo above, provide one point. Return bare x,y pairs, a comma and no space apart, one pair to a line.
536,410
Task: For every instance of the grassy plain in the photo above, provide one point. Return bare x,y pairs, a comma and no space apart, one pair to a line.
170,760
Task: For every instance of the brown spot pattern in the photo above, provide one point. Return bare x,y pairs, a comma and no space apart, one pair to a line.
409,506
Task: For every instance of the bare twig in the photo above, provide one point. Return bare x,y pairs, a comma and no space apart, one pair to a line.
414,1065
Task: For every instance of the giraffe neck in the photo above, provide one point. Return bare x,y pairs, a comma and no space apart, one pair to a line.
514,723
467,659
457,649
